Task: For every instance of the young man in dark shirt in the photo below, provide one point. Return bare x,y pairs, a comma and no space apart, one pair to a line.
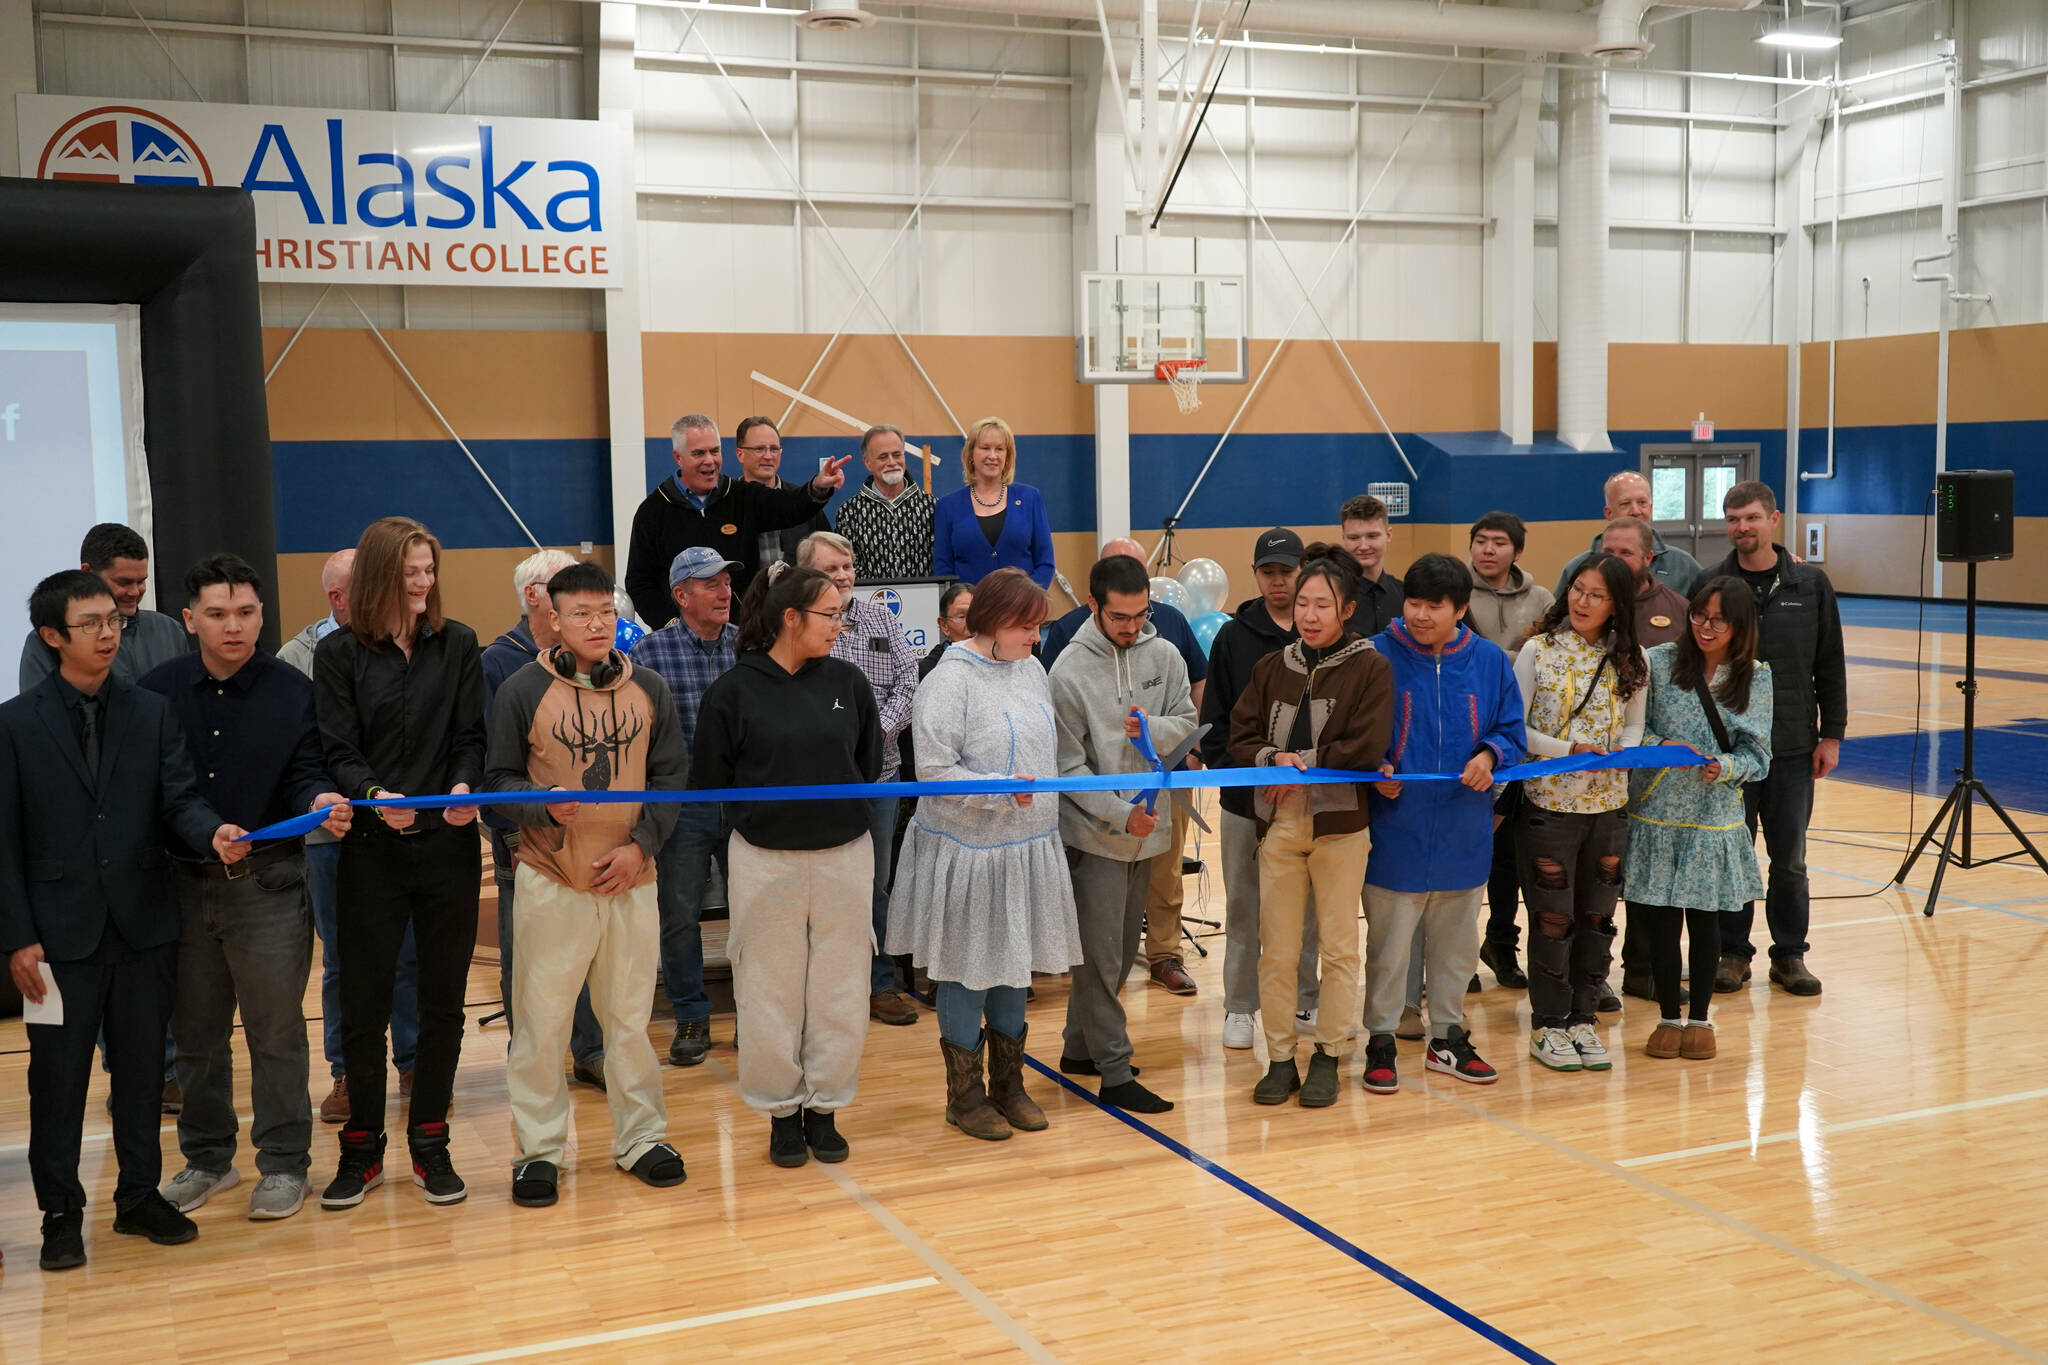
91,771
247,935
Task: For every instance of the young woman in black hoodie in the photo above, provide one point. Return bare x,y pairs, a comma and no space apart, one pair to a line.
799,872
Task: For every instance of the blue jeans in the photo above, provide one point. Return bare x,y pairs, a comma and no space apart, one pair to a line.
586,1039
323,870
882,825
682,871
961,1012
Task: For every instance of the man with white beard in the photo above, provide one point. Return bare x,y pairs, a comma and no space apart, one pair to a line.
889,521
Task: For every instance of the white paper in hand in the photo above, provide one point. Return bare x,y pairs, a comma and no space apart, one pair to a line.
51,1011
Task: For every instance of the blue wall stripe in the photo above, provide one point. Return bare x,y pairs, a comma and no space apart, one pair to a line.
328,490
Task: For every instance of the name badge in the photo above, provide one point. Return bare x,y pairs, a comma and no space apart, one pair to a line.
1660,621
728,530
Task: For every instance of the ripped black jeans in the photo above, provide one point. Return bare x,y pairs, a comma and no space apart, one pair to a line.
1571,878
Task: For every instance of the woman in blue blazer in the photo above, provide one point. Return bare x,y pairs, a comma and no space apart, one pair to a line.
992,523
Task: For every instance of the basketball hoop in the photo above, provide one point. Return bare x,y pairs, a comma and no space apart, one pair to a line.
1184,377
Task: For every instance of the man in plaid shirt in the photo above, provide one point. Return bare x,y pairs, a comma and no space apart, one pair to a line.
889,521
871,640
689,653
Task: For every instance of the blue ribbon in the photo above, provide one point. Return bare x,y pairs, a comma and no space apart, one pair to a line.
1143,784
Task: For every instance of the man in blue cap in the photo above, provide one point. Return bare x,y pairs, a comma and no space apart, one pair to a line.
690,653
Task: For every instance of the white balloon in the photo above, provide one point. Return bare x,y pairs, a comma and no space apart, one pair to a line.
1169,592
1207,585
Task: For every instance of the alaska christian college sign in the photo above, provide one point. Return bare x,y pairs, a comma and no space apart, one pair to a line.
352,196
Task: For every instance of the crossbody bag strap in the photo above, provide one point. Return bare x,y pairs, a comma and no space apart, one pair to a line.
1713,710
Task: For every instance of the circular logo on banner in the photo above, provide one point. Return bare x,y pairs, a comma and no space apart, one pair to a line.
119,144
888,597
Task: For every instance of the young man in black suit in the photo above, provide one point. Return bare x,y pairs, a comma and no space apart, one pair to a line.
92,770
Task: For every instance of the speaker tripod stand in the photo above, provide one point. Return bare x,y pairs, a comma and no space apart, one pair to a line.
1954,817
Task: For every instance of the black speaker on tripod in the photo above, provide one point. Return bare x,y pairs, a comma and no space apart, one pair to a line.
1972,523
1972,515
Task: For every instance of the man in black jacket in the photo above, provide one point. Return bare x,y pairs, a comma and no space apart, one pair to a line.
92,770
1262,625
1800,636
701,506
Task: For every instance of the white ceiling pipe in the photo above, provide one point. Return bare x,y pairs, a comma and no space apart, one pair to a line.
1615,30
1582,260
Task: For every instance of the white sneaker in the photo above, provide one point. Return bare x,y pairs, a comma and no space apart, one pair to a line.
192,1187
1553,1047
1592,1052
1238,1031
277,1196
1305,1019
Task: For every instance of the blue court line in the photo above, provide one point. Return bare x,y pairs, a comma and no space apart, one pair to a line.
1307,1224
2009,674
1944,618
1934,851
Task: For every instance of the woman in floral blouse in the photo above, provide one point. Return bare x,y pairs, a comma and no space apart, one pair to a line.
1689,856
1585,683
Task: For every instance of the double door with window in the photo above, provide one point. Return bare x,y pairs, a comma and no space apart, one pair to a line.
1687,483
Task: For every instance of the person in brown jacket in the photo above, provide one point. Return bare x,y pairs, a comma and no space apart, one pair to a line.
583,718
1324,701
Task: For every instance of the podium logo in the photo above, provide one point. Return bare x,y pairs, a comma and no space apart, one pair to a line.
889,598
119,144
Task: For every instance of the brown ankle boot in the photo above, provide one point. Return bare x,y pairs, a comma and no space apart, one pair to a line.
1665,1041
1006,1081
1698,1045
967,1106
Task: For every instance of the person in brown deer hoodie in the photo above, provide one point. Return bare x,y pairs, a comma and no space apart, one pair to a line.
582,718
1324,701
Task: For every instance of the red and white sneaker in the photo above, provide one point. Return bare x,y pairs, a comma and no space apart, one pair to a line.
1454,1055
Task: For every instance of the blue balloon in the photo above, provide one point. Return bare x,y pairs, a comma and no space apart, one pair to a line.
630,633
1205,627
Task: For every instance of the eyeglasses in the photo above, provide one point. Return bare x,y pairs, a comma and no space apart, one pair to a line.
100,625
583,620
1585,596
1712,625
762,450
1126,619
837,618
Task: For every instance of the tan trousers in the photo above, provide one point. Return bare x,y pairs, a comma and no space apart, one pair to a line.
801,941
562,937
1291,862
1163,896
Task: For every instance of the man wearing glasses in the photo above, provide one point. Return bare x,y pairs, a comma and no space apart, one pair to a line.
148,638
702,506
872,640
760,450
1116,670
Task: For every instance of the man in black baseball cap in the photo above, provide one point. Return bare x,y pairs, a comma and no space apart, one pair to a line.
1262,624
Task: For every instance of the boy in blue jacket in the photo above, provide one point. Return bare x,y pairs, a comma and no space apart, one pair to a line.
1456,708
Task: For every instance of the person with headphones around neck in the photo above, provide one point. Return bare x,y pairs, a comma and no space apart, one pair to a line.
582,718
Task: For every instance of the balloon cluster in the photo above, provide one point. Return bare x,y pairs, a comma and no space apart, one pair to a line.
1206,588
630,631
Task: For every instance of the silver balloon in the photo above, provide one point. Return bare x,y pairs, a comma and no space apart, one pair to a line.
1169,592
1207,585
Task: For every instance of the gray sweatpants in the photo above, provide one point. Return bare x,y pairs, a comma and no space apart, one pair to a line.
1240,839
1446,926
801,939
1109,906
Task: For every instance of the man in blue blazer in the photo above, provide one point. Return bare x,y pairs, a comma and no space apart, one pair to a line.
93,773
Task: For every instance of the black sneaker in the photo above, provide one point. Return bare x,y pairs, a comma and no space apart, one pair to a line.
1382,1073
534,1184
1642,987
153,1217
1454,1055
692,1041
432,1170
821,1135
361,1170
1609,1002
1500,959
786,1146
660,1166
63,1240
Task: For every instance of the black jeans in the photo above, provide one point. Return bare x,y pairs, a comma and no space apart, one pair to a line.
1503,889
1782,805
129,992
429,879
1571,876
1659,926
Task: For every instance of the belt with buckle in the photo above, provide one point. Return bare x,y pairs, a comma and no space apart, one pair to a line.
264,857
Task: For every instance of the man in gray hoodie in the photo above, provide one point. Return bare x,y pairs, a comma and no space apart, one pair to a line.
1116,669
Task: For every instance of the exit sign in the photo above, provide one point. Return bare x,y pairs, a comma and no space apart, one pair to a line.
1703,430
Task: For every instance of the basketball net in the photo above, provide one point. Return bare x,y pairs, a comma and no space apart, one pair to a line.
1184,377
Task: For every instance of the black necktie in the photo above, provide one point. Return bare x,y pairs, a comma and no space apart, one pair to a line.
90,709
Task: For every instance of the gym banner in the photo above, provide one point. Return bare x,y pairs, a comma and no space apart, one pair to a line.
350,196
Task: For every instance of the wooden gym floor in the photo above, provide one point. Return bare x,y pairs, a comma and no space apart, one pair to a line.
1855,1176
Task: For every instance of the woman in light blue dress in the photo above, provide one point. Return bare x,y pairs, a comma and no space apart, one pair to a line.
1690,858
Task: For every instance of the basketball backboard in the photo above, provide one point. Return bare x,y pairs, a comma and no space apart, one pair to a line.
1129,322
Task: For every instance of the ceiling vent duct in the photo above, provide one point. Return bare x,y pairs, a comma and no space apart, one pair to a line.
835,16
